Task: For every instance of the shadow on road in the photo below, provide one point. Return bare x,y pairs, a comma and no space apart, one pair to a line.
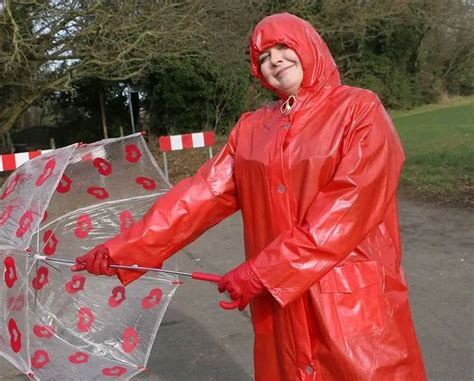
184,350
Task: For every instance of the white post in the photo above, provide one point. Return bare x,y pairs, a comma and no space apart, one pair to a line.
165,165
210,152
52,143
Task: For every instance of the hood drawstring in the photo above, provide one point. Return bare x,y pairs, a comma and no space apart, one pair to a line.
287,105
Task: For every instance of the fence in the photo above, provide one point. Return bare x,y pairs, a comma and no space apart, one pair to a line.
12,161
185,141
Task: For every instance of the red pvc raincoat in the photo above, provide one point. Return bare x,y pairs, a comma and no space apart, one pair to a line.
316,189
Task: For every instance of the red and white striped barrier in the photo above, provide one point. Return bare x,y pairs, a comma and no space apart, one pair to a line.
12,161
186,141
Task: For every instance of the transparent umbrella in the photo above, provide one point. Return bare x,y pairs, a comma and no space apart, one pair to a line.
59,325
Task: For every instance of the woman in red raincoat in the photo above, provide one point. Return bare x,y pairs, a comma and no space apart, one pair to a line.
315,177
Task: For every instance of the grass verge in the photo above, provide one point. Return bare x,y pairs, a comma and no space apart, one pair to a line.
439,147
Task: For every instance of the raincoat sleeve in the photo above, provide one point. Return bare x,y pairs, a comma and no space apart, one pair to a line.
178,217
344,211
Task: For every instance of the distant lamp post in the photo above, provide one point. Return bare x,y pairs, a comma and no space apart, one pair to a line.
131,90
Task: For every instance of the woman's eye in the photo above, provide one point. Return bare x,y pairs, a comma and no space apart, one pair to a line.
263,58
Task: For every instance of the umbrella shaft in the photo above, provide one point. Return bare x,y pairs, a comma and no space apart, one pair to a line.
68,262
124,267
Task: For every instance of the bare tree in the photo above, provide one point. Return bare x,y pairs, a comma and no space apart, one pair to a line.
447,44
47,45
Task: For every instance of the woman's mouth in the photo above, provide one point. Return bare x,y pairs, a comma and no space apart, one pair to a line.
282,72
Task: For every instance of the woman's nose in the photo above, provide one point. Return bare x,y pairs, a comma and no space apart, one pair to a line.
275,56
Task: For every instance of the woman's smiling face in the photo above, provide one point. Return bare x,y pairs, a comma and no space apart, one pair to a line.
281,68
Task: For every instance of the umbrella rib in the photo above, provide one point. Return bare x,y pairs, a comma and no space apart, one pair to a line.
63,216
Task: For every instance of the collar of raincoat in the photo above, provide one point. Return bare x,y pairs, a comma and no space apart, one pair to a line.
319,69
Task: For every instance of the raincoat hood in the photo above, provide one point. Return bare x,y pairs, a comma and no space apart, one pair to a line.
319,68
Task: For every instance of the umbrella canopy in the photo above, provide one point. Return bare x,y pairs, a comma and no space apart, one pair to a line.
55,324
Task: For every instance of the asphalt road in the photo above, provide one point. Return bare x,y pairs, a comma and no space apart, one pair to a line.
199,341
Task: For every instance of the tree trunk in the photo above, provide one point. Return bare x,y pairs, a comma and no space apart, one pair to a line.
10,114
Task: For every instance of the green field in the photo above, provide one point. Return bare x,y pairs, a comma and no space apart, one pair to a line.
439,147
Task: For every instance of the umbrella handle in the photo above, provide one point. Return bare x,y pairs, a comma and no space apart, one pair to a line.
215,279
207,277
229,305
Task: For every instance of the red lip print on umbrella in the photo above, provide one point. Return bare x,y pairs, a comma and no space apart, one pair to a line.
56,207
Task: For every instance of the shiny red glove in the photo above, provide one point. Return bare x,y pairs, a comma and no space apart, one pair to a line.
96,261
242,284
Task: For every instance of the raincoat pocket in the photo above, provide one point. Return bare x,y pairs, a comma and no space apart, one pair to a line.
352,299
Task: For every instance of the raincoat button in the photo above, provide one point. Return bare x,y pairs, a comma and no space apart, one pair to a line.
281,188
309,369
286,126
